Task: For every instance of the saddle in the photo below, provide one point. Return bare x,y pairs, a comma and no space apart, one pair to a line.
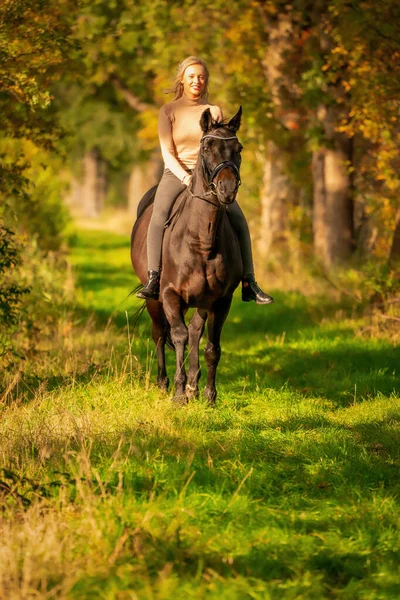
148,200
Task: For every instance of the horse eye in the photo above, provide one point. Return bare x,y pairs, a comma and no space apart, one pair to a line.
240,148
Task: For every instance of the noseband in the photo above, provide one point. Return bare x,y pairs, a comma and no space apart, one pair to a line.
210,176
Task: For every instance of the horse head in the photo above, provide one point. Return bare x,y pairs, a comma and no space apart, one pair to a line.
220,156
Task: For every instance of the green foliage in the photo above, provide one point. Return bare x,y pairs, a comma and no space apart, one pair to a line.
33,197
12,292
34,296
51,289
372,283
35,47
381,281
97,122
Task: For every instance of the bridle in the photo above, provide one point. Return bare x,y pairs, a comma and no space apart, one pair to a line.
210,175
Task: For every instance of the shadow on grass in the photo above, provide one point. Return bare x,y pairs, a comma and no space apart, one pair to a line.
343,373
97,278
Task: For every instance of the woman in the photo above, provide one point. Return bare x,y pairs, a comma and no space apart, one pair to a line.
180,133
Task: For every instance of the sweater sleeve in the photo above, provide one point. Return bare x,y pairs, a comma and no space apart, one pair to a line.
167,145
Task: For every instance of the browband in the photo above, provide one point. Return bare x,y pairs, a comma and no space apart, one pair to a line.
217,137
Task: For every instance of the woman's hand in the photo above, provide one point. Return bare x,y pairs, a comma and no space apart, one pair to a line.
186,179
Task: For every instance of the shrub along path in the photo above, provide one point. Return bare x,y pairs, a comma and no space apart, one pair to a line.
289,488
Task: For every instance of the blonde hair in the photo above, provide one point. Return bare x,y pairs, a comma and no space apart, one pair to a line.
177,88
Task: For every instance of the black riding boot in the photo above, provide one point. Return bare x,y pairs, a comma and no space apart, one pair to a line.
251,291
151,288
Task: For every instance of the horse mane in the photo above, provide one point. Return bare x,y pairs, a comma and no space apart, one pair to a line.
220,124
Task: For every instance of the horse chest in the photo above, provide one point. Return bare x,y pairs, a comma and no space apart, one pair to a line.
207,280
206,270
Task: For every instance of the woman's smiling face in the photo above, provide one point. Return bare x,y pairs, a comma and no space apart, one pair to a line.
194,81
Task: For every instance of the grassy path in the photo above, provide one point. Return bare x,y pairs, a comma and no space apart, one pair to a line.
289,488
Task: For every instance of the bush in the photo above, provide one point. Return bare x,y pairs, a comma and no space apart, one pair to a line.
32,188
12,292
34,297
32,268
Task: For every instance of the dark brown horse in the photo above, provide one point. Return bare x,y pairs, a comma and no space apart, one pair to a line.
201,259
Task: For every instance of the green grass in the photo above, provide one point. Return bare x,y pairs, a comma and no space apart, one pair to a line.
289,488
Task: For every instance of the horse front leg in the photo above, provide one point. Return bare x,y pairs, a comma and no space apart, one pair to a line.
159,332
196,328
212,351
179,336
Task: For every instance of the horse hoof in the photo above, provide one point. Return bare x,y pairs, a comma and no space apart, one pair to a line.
192,392
211,396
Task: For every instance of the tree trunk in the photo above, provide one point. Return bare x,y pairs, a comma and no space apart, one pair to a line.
365,231
277,192
143,176
395,248
73,197
94,184
333,200
275,195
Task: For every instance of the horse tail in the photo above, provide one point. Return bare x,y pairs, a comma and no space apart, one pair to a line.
138,313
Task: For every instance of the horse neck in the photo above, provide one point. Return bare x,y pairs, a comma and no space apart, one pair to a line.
204,214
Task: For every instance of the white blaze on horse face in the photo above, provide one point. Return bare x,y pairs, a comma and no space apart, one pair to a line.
194,81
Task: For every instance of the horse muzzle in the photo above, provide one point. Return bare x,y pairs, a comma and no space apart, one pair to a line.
225,187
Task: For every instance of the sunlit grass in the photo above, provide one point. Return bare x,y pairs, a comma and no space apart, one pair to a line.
289,488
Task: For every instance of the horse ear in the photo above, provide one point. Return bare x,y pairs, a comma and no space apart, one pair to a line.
234,123
206,121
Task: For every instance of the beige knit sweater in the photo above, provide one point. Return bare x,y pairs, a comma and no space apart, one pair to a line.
180,132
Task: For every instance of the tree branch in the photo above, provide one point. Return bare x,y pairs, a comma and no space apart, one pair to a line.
133,101
382,316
